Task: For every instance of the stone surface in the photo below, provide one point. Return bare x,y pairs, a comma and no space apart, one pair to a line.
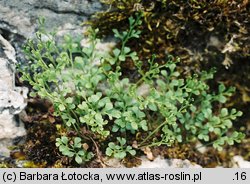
19,19
12,99
239,162
167,163
158,162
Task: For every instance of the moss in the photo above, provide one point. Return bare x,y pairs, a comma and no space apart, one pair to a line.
40,144
179,27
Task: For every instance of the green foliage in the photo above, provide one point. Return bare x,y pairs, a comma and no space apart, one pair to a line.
73,149
119,151
89,92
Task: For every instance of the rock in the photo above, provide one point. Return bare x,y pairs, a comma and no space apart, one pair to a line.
158,162
12,99
4,151
113,163
143,90
167,163
239,162
200,147
20,17
20,20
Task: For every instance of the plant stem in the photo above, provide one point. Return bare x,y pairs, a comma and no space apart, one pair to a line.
152,133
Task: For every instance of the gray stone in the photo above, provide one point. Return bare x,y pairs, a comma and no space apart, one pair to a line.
12,99
20,17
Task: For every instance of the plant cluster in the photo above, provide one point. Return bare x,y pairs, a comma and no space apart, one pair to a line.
119,151
90,94
73,149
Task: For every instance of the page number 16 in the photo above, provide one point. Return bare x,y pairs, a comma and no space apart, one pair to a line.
241,175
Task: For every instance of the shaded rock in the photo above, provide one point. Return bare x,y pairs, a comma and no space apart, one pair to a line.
4,143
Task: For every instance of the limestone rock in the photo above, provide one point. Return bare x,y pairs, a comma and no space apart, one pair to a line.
158,162
12,99
167,163
21,16
239,162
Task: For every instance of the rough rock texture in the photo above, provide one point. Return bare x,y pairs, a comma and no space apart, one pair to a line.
167,163
18,19
12,99
156,163
239,162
